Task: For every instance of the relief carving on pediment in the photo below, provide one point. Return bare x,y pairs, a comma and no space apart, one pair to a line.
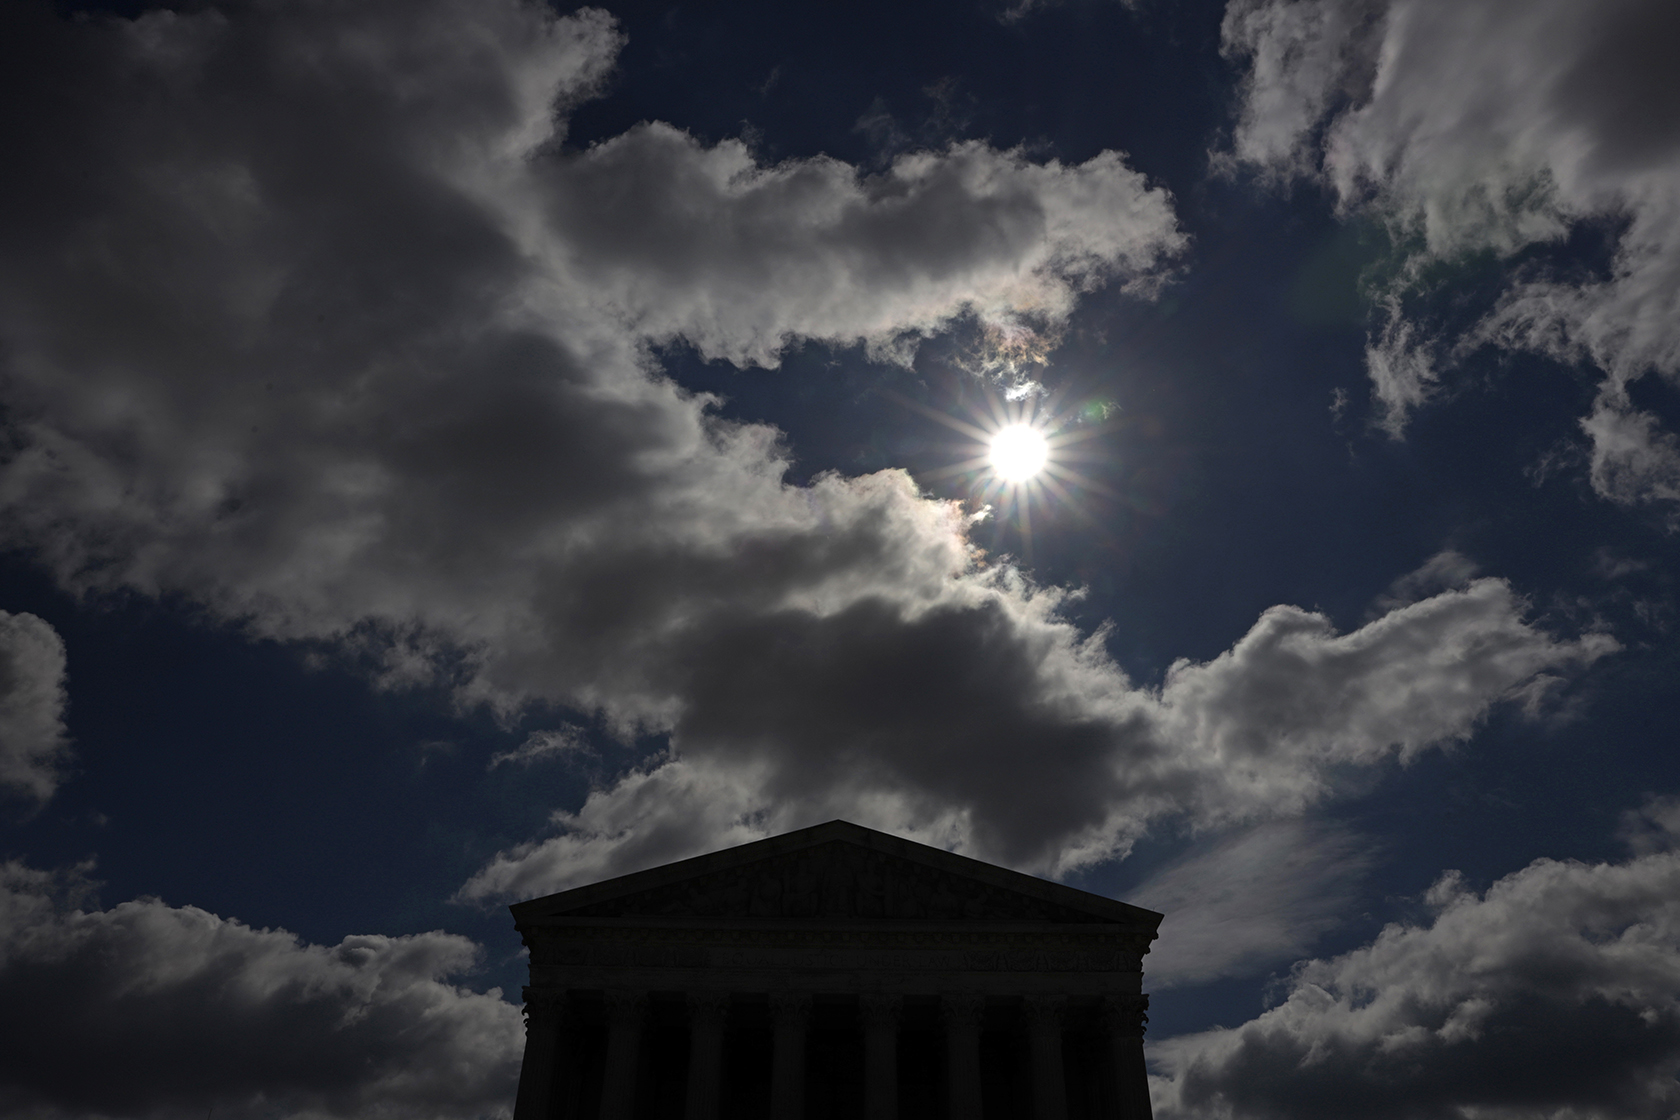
834,882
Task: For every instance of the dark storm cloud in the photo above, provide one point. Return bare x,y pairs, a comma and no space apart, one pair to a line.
1554,993
986,722
33,747
149,1010
1493,127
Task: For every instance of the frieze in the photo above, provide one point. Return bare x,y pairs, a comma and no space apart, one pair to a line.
729,957
1051,962
782,948
546,939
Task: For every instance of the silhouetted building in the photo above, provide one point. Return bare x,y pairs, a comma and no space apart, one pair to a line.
834,972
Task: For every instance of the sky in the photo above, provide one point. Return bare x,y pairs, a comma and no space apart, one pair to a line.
456,450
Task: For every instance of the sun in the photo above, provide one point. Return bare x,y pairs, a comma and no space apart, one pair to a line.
1018,452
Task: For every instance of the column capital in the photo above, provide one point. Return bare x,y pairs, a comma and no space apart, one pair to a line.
1126,1016
708,1006
879,1009
542,997
625,1004
790,1007
1044,1012
543,1006
962,1009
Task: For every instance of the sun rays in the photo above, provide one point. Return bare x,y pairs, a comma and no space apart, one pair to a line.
1021,453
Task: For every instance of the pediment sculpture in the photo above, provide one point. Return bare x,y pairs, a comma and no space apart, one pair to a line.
833,881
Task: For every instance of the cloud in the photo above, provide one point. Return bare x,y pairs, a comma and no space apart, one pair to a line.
33,745
994,727
1555,993
149,1010
1492,127
1254,899
1653,826
543,744
678,239
311,316
1634,458
1448,568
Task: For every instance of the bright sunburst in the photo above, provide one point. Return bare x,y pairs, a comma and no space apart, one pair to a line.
1018,451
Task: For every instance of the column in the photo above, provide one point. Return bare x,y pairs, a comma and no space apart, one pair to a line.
789,1013
880,1055
1044,1025
1124,1018
963,1013
624,1039
706,1014
543,1010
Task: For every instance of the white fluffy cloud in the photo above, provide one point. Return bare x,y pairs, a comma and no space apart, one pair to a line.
149,1010
861,716
33,746
1556,993
679,239
1493,127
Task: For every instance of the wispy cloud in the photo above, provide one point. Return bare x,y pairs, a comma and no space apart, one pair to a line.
539,745
34,747
1251,901
1492,128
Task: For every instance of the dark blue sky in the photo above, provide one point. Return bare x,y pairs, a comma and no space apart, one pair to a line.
359,433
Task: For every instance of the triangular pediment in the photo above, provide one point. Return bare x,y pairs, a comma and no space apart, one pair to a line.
835,872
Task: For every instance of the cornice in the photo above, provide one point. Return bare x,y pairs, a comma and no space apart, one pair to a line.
898,936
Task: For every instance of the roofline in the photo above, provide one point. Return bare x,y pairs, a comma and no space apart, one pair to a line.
1095,904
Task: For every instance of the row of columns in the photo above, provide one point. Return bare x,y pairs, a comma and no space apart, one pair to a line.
790,1015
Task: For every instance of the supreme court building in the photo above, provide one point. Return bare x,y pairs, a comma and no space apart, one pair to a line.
833,972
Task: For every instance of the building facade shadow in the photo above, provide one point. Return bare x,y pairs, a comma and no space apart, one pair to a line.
833,973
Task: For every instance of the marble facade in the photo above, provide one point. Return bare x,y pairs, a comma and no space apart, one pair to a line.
833,973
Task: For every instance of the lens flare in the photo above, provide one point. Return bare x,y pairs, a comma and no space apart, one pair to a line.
1019,451
1024,445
